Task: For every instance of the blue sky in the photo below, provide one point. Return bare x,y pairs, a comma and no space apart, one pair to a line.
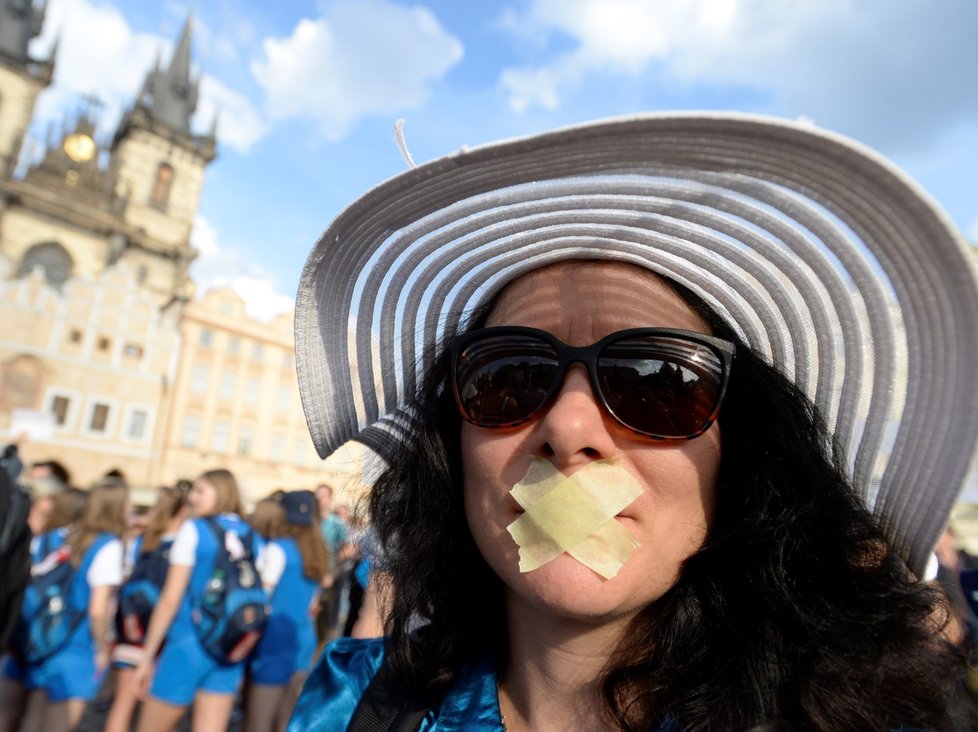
308,91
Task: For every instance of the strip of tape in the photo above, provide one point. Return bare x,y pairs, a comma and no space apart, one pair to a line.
574,514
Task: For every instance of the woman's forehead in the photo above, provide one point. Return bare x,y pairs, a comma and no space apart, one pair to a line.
584,300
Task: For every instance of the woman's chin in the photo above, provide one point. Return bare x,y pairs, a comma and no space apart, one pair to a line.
564,587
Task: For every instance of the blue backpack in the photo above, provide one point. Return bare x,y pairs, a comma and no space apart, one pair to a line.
141,592
231,613
47,616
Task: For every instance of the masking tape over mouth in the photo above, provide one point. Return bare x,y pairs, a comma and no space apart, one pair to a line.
574,514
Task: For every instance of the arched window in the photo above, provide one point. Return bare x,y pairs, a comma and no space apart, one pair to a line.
20,382
52,258
162,185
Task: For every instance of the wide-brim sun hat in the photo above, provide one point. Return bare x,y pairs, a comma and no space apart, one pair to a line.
822,255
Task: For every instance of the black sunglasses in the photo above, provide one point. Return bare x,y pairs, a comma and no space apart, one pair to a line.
664,383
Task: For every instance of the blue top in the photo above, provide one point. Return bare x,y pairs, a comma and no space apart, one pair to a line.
79,595
334,688
334,533
289,630
347,665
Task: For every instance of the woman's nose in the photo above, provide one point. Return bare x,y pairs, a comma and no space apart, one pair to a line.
574,429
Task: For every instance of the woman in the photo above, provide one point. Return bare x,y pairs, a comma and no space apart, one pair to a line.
294,565
152,546
70,678
665,475
185,673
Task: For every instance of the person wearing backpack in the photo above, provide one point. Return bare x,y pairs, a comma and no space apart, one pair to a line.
69,633
295,563
137,598
212,566
18,678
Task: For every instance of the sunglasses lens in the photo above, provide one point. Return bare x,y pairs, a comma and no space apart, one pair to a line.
660,386
502,380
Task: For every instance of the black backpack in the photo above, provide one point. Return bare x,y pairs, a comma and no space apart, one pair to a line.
140,593
231,613
48,617
15,541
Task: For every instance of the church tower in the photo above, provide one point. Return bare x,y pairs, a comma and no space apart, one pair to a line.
21,77
85,204
158,163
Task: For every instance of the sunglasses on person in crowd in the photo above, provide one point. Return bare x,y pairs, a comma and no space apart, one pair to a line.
663,383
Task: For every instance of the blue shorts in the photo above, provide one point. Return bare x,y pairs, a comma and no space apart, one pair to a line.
184,668
286,647
30,677
70,674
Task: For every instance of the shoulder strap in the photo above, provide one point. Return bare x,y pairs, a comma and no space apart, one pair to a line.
386,707
217,530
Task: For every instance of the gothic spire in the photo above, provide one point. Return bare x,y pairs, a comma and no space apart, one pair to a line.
170,97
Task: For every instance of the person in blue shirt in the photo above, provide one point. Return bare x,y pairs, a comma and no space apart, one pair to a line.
633,414
295,562
185,673
164,522
335,533
71,677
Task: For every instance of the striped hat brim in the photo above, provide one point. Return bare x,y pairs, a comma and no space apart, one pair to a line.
824,257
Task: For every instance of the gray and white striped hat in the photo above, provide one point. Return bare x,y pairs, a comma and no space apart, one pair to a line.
823,256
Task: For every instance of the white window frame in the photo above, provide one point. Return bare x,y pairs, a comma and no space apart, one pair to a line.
110,423
276,451
193,379
74,399
252,397
228,387
212,447
183,431
131,409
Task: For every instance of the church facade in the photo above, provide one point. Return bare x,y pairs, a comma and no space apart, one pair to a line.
100,329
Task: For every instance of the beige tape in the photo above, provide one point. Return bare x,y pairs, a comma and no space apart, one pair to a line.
575,515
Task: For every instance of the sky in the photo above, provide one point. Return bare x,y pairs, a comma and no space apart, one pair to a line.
306,92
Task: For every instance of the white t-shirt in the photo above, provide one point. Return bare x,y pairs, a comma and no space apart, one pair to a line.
183,553
106,566
271,565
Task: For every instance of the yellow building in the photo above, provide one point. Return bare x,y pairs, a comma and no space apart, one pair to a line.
100,337
98,357
235,401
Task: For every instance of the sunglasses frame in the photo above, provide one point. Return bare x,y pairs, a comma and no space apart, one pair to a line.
588,357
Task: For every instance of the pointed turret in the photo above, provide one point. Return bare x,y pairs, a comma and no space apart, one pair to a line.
170,97
20,21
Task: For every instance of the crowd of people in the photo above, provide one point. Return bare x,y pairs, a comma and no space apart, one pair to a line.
190,604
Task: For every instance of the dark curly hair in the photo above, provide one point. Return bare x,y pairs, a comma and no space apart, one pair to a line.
795,614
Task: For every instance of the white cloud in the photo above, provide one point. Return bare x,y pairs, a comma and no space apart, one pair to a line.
361,57
896,68
217,266
239,124
100,54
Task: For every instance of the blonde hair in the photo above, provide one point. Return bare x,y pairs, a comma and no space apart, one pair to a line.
226,487
169,503
104,512
269,518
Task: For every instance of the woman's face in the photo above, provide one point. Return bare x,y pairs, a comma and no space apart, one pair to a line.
581,302
202,498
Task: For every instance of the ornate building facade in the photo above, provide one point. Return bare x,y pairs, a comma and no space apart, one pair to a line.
100,333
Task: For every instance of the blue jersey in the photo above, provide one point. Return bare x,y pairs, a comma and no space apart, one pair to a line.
289,639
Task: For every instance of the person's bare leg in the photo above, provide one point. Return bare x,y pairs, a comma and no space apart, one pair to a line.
124,702
160,716
289,699
63,716
212,711
263,704
13,704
